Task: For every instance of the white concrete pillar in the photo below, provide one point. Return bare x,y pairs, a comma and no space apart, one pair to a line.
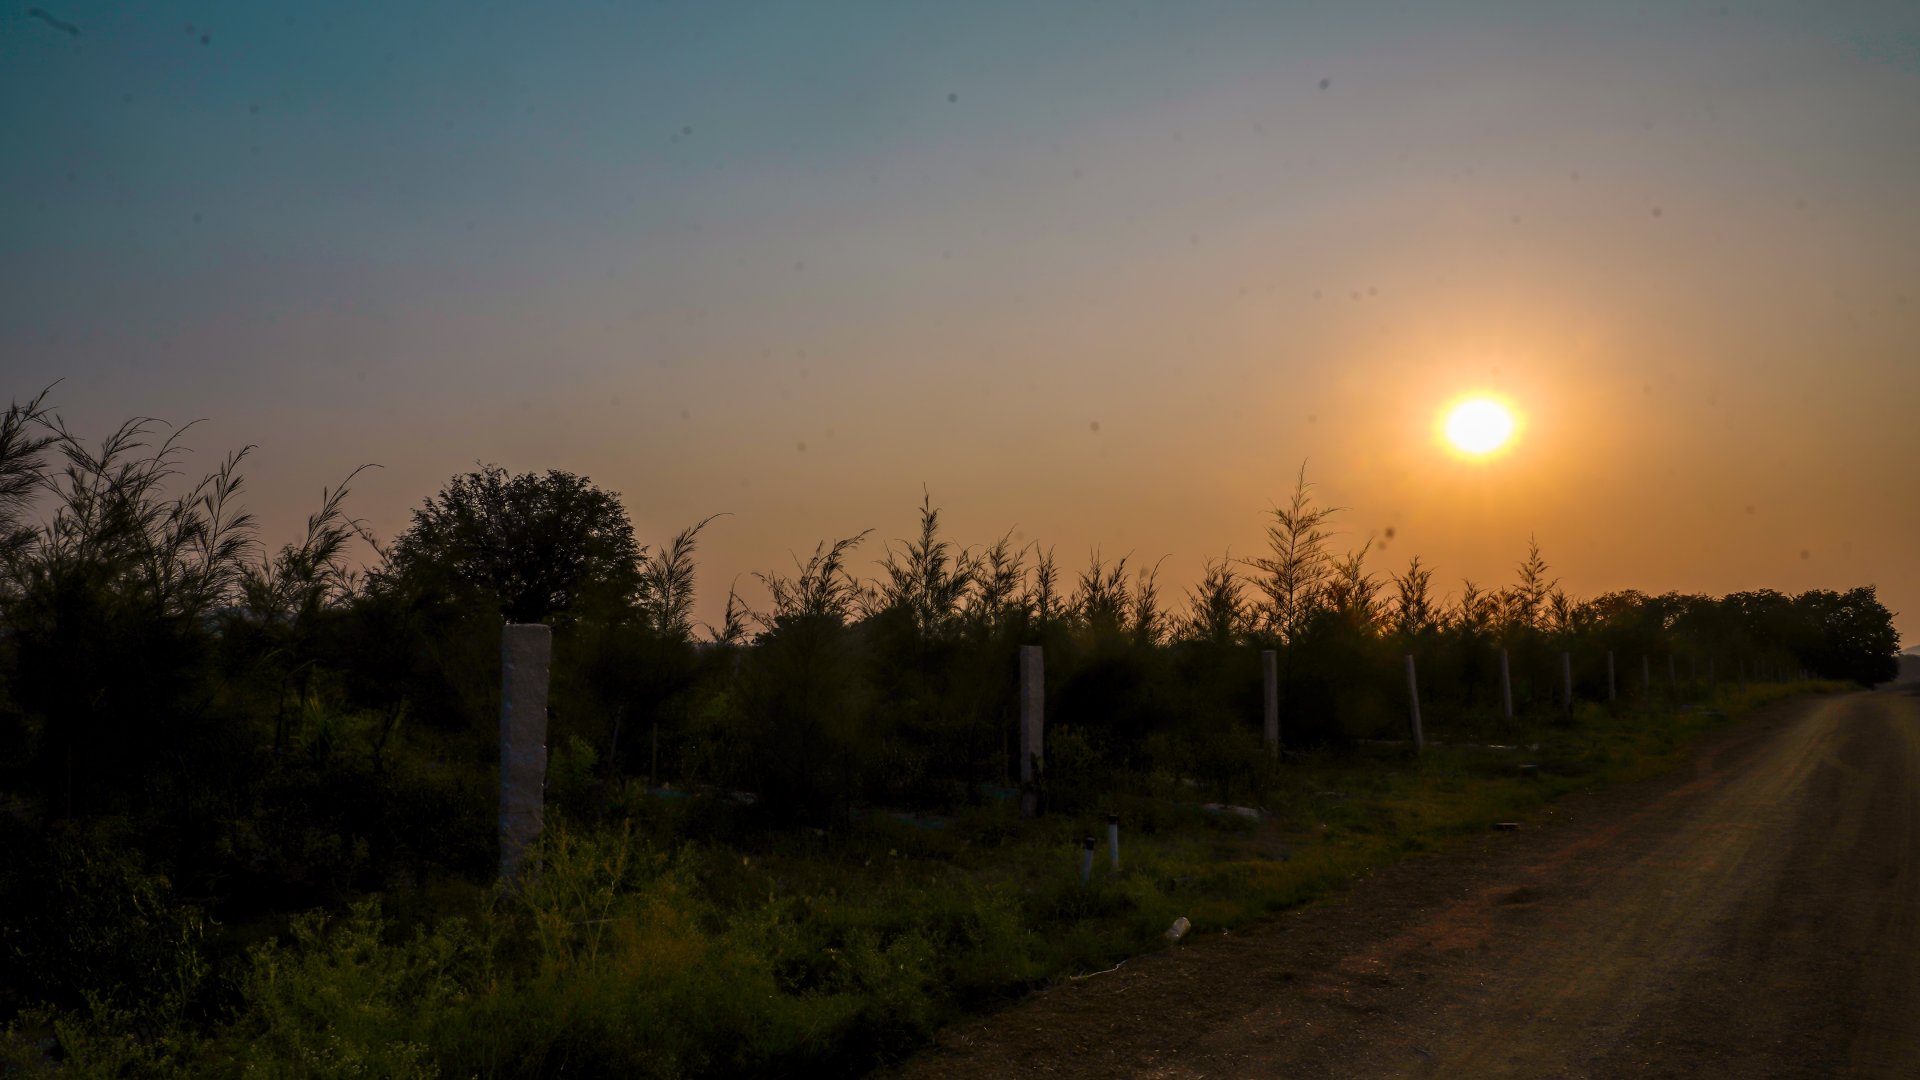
1566,680
526,650
1506,685
1270,691
1033,699
1413,706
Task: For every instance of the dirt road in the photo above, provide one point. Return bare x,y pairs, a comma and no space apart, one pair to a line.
1756,915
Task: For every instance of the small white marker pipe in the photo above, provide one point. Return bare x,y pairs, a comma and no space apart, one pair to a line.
1086,861
1113,840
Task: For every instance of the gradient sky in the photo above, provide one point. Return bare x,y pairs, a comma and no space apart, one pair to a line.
1104,274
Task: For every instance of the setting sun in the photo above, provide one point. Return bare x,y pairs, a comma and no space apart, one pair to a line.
1479,426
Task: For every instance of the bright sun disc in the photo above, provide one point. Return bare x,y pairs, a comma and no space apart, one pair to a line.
1479,426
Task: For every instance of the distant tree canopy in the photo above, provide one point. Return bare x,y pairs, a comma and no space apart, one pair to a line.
534,545
153,654
1855,638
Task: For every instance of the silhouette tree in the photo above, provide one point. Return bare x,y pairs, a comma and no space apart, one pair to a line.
106,600
533,546
1218,611
1855,632
286,596
1414,612
1294,576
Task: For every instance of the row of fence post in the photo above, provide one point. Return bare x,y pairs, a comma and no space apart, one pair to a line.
1566,684
526,654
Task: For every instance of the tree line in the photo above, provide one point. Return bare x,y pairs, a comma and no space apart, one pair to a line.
147,632
194,725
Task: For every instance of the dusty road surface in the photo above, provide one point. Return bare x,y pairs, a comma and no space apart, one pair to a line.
1755,915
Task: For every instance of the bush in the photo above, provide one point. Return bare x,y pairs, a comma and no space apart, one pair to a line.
85,923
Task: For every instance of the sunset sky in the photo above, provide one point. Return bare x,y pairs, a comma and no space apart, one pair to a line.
1103,274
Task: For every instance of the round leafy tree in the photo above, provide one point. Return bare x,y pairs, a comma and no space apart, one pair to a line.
534,545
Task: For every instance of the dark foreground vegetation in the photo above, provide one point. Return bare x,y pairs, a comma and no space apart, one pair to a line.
247,795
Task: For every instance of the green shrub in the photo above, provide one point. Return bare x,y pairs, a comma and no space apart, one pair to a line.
342,1000
84,921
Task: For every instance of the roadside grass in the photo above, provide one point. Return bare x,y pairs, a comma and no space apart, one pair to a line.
637,951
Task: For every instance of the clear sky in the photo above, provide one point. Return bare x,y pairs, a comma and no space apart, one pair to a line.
1102,273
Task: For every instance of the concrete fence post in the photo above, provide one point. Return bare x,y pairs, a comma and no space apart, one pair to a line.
1033,700
1413,706
1566,680
1113,841
526,650
1506,684
1270,699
